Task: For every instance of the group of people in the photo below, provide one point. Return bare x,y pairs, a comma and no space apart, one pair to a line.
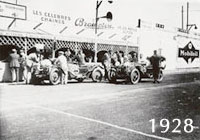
19,62
118,58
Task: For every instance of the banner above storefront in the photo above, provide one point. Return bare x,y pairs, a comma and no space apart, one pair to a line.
51,17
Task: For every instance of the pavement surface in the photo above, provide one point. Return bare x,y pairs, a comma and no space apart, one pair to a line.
102,111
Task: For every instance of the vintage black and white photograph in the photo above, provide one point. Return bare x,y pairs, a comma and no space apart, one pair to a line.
99,69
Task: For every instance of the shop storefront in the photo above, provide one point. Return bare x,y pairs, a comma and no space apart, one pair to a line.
181,48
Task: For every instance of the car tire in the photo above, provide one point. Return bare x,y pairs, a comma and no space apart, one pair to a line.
97,75
35,81
112,76
160,76
135,76
55,76
80,80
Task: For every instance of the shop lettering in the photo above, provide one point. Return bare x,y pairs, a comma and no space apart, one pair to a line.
82,23
189,53
52,20
51,17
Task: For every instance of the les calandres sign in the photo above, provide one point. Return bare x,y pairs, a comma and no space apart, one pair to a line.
188,52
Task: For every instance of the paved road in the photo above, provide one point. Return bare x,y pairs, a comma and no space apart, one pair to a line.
102,111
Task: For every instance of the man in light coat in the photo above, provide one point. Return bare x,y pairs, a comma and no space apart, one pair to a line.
14,65
61,62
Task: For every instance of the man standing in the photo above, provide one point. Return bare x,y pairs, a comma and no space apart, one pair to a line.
61,62
106,61
32,59
14,65
155,61
68,55
22,61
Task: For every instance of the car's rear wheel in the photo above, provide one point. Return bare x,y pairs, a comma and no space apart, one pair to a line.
97,75
112,76
135,76
55,76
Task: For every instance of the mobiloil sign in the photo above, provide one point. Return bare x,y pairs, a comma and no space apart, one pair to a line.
188,53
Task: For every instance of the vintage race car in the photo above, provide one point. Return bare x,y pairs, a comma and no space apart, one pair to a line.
45,70
128,72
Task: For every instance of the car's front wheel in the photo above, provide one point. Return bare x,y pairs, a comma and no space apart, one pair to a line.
55,76
135,76
97,75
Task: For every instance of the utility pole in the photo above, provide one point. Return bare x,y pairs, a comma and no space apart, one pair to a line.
96,26
187,16
108,16
189,26
182,15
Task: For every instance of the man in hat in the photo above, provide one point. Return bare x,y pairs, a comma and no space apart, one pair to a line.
155,60
61,62
14,65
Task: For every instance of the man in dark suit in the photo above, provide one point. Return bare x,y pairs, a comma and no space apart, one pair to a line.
14,65
155,60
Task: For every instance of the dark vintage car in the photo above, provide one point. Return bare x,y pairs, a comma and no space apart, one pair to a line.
129,72
45,70
146,71
133,72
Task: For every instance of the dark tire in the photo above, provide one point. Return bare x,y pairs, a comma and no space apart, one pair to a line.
35,81
112,76
97,75
80,80
135,76
55,76
160,76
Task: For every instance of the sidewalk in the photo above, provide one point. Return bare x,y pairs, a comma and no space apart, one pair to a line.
182,71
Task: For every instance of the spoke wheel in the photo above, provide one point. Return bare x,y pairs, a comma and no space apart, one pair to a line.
55,76
135,76
160,76
97,75
112,76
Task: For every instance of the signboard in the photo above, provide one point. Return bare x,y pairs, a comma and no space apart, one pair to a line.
160,25
14,11
188,53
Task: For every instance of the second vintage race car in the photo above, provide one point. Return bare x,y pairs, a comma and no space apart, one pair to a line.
128,72
45,70
133,72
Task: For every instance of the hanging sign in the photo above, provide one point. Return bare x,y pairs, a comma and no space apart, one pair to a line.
188,53
11,10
